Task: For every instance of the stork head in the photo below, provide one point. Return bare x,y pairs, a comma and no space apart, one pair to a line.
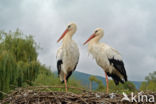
96,36
70,30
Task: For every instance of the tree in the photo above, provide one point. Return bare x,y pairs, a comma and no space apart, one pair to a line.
18,60
150,82
91,78
99,82
151,77
7,73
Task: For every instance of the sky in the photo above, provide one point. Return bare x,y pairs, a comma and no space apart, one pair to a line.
129,26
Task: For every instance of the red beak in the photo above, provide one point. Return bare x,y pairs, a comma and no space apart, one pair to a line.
91,37
63,35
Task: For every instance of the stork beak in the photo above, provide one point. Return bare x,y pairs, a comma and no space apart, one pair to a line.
63,35
91,37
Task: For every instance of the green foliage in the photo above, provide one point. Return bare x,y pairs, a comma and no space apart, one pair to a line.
27,72
150,82
47,78
7,72
22,47
18,60
99,82
143,86
151,86
126,87
151,77
148,86
92,78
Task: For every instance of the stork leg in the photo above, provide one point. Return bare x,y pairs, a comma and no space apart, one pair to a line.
65,82
107,83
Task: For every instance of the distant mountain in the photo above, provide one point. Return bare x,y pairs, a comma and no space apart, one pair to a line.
84,79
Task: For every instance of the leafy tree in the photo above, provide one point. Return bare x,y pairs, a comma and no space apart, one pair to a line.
150,82
91,78
7,72
99,82
23,47
151,77
18,60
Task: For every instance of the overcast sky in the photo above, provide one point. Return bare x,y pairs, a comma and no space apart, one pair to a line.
129,26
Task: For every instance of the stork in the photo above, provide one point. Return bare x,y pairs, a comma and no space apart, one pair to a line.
107,58
67,55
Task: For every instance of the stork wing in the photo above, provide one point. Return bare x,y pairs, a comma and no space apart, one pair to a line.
59,59
116,60
76,58
70,73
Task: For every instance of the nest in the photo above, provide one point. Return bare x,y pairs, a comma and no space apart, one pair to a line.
36,95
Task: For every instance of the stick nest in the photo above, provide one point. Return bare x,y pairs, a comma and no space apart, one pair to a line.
36,95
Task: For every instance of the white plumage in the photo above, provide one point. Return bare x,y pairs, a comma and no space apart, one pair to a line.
107,58
102,53
68,54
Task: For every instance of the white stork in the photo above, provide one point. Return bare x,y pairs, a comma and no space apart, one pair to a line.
107,58
67,55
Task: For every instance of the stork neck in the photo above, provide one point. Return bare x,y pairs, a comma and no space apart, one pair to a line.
67,38
94,41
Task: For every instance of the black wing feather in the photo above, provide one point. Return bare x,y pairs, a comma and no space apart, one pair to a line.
115,78
119,65
59,62
70,73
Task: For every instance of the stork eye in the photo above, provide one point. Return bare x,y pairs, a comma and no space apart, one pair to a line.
96,31
69,26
